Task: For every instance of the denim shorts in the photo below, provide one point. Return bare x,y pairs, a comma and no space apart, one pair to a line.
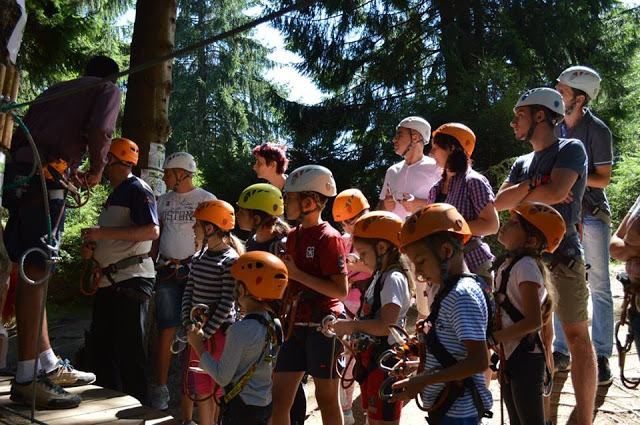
169,290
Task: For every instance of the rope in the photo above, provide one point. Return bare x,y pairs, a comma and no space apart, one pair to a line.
146,65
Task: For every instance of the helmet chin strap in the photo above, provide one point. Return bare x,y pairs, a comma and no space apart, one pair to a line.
179,180
410,145
569,109
532,129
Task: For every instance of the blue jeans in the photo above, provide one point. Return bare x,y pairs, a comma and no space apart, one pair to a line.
448,420
596,238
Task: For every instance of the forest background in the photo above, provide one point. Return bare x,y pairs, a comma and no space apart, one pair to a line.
376,61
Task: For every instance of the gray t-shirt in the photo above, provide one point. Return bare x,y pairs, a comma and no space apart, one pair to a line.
597,140
537,166
244,345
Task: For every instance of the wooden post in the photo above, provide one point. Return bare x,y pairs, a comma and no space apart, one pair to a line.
13,78
3,71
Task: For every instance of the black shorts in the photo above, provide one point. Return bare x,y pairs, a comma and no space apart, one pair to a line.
309,351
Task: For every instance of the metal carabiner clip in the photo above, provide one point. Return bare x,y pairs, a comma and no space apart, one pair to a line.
329,320
386,392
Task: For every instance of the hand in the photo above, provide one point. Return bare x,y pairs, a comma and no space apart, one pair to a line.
86,251
94,234
86,179
195,337
568,199
343,327
407,389
389,202
410,204
294,271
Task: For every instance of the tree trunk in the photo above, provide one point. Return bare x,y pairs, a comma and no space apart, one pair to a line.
146,111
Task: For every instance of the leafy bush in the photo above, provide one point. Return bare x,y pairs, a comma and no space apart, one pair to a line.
623,190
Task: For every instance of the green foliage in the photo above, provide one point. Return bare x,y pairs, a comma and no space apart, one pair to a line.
623,190
65,281
60,36
220,105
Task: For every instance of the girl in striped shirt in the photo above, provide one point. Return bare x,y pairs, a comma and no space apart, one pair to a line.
210,282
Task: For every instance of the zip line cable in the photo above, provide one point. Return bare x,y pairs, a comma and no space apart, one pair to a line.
227,34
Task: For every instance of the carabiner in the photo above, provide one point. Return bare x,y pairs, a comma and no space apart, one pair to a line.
386,392
47,270
328,320
390,353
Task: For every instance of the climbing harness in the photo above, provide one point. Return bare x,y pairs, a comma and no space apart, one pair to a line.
629,306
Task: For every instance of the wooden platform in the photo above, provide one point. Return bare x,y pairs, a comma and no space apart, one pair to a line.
99,406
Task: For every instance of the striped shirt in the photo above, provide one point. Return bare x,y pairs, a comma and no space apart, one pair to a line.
210,282
462,316
470,193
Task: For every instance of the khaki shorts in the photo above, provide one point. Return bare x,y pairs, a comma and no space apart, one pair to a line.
572,293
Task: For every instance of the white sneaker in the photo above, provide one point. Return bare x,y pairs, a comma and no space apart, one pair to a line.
48,395
160,398
67,376
349,419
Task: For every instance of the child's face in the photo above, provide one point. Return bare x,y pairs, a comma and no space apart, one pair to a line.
198,233
244,219
292,205
367,254
512,235
426,264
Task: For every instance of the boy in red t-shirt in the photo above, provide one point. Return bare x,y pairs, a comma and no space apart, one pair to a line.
315,259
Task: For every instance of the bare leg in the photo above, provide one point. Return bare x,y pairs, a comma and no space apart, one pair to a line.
206,410
583,369
547,339
28,305
285,386
328,402
186,407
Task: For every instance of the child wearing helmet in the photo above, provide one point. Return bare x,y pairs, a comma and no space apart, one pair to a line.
525,297
244,369
348,207
315,260
467,190
456,329
210,282
385,302
259,209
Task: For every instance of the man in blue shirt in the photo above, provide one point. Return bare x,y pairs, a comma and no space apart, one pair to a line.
556,173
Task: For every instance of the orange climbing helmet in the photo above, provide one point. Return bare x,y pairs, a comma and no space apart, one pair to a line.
125,150
544,218
348,204
217,212
264,275
463,134
432,219
379,225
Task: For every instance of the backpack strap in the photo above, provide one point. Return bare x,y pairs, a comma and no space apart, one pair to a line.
274,338
377,302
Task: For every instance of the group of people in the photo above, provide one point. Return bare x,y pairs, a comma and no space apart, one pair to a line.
258,316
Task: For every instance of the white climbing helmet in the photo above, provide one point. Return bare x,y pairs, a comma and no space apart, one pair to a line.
581,78
182,160
311,178
418,124
542,96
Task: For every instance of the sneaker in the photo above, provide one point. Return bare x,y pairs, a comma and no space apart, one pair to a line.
561,361
348,417
66,375
48,395
160,398
604,371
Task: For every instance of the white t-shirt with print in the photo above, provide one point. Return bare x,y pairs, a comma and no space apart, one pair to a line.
175,211
525,270
415,179
395,290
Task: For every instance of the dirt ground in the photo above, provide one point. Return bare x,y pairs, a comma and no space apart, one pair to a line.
615,403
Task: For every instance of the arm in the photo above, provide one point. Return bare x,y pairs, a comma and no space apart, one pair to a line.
559,186
532,315
600,178
487,222
147,232
620,248
378,327
477,361
155,246
227,286
336,286
234,350
187,295
511,195
101,124
414,204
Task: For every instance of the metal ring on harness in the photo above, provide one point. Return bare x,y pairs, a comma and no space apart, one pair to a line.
179,342
48,266
328,320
